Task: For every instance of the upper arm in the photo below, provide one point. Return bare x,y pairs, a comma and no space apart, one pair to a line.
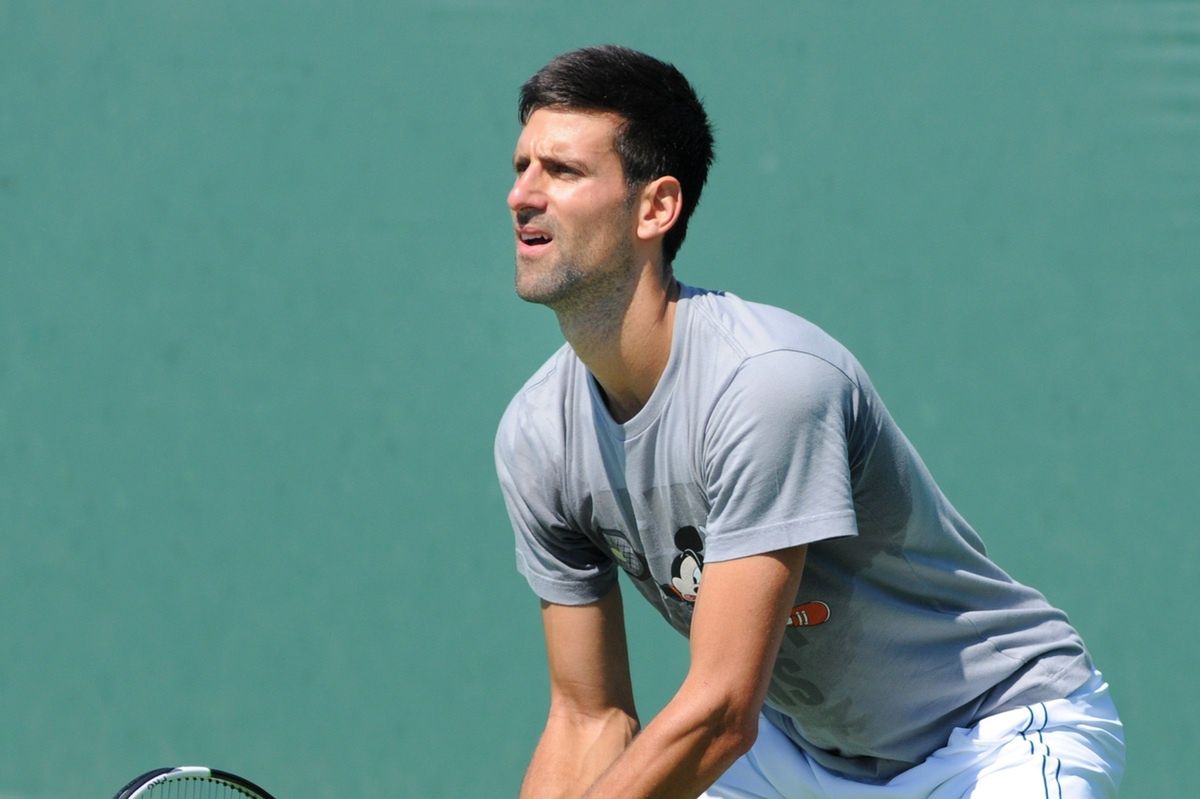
560,563
739,621
587,656
775,461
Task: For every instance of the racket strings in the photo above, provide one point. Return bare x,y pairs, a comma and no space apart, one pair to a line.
195,788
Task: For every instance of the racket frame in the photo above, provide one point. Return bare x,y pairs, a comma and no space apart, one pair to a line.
140,785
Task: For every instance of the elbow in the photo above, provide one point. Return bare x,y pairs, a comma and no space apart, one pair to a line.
742,732
723,715
732,727
732,739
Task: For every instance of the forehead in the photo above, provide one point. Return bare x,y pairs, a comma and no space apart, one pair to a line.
560,133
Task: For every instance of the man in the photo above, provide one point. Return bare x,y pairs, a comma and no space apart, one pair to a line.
848,635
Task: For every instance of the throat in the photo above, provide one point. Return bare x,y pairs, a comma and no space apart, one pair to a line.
621,408
628,360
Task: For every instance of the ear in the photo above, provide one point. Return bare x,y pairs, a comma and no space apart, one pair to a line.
688,538
660,204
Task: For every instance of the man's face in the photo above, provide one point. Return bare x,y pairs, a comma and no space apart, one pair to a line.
572,214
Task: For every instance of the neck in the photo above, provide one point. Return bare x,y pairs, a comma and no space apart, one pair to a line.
624,339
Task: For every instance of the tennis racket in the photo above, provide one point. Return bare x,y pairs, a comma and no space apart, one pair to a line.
191,782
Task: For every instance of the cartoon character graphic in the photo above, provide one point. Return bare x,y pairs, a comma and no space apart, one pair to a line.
810,614
688,566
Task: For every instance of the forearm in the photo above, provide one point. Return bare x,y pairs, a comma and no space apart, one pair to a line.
713,719
574,751
681,752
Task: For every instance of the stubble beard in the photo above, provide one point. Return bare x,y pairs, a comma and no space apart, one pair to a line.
580,282
593,296
550,289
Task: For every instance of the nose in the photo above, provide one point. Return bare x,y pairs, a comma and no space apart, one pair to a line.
526,192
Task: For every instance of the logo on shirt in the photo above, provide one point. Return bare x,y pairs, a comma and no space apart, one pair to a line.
810,614
624,554
688,565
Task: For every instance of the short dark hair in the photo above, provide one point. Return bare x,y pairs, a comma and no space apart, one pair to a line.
666,130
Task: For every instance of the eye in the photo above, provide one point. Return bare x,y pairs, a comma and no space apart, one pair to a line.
561,170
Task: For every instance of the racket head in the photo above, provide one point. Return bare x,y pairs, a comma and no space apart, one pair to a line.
220,784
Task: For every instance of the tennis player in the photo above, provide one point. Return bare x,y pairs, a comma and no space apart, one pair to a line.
849,636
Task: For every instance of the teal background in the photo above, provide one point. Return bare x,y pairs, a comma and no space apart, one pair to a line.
257,328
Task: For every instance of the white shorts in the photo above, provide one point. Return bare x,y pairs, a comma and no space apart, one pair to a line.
1069,748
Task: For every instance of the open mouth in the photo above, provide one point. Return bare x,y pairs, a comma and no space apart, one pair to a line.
530,238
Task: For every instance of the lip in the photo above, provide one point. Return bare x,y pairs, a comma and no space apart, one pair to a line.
527,231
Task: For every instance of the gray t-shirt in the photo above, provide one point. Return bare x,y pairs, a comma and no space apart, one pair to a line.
764,433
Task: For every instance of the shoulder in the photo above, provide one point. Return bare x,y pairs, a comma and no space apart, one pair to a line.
767,342
535,416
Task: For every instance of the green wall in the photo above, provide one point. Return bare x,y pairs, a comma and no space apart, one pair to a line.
257,328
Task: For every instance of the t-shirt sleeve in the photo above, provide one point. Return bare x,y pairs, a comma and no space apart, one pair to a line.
775,456
560,563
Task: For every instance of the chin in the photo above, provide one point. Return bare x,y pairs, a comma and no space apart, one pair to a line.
538,295
546,289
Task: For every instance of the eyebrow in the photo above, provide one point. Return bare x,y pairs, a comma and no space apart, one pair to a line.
520,161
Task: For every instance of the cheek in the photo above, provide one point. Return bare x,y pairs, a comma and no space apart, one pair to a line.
613,226
594,223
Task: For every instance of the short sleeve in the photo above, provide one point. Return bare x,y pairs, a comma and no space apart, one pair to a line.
775,456
560,563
